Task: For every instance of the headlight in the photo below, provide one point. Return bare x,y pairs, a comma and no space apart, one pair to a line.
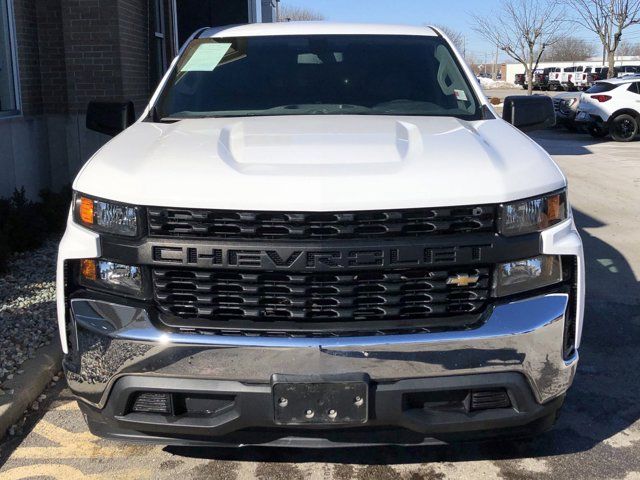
105,216
107,275
528,274
533,215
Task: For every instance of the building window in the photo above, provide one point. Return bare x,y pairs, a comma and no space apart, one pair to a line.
9,104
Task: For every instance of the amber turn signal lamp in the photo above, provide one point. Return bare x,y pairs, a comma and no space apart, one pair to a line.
553,208
88,269
86,210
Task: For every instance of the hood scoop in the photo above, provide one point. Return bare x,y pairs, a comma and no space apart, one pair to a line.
318,142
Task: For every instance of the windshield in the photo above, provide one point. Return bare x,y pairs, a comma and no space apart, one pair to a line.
319,74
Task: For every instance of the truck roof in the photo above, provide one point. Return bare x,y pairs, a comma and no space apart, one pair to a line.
315,28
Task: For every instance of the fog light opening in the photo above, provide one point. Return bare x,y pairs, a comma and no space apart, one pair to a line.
152,402
489,399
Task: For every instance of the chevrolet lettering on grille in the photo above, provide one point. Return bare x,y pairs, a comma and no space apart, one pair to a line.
320,259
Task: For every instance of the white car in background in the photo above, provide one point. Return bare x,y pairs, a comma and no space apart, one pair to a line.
612,107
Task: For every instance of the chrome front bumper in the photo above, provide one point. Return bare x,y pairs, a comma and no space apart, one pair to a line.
112,341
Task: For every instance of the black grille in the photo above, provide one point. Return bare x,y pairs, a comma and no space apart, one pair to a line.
180,222
260,300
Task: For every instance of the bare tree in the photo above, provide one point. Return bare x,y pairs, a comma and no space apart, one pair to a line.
291,13
457,37
522,29
608,19
567,49
628,50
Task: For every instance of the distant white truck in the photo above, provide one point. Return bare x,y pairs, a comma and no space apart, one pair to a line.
571,78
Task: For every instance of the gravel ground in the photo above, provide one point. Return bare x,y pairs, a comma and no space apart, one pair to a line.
27,308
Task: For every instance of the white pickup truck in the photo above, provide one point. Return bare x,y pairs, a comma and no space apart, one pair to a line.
320,235
571,78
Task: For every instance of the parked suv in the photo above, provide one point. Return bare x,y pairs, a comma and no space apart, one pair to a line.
611,107
320,235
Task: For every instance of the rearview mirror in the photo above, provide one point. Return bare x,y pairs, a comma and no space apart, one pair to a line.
529,112
110,118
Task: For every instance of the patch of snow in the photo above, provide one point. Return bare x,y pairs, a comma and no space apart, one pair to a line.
490,84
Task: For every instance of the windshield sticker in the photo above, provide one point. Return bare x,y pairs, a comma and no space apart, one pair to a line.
460,95
206,57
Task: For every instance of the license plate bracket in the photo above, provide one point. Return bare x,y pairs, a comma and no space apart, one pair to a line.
320,400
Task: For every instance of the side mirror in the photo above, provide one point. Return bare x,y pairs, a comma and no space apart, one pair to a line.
110,118
529,112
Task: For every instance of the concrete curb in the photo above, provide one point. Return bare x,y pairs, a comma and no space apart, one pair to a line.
27,386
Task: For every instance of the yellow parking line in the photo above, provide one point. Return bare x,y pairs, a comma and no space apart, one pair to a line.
66,472
59,435
69,405
72,445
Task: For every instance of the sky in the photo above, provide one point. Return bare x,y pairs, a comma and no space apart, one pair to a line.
450,13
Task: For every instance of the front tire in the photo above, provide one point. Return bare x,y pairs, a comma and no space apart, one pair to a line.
623,128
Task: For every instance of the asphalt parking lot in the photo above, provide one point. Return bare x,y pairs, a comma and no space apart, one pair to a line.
598,433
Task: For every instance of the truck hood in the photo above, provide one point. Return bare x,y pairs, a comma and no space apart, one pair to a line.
319,163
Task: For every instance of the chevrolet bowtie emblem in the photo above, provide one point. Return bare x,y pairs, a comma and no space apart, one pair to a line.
463,280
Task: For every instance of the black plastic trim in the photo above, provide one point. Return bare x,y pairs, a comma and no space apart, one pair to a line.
251,418
570,267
